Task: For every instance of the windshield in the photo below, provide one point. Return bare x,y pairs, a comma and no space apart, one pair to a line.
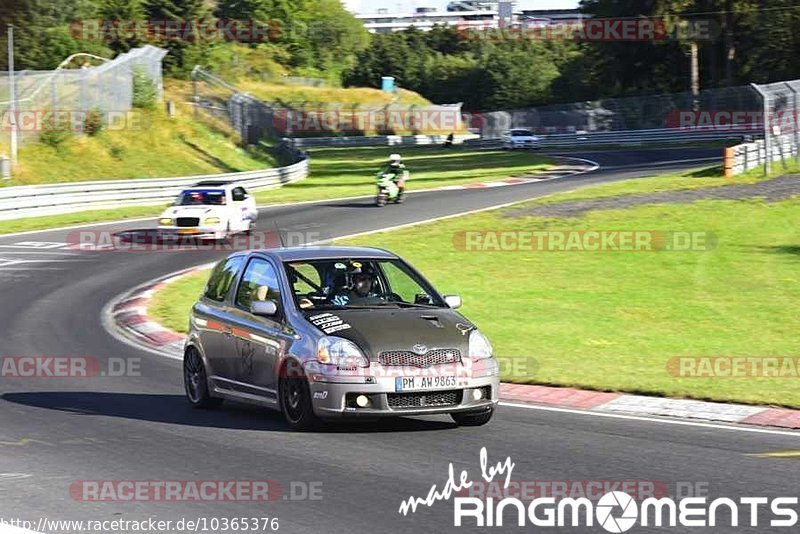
521,133
359,283
201,197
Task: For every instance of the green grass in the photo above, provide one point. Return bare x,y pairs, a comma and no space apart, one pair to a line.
171,305
154,147
347,172
613,320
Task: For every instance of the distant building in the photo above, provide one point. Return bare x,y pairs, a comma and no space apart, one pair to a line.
465,14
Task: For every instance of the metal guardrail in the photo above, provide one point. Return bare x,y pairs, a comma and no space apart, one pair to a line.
38,200
632,138
378,140
748,156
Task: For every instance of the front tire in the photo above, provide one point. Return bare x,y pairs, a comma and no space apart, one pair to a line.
473,418
195,381
381,199
296,403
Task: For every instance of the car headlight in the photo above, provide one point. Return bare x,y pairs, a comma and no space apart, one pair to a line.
165,222
479,346
212,220
340,352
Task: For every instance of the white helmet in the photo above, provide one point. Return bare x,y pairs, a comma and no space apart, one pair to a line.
395,158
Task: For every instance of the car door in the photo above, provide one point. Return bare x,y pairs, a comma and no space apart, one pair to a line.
211,317
260,341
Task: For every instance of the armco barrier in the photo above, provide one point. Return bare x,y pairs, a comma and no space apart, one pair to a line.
37,200
630,138
746,156
378,140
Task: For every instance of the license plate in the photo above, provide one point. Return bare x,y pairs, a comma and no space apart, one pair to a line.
423,383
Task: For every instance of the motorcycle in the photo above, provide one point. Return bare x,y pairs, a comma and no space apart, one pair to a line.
388,190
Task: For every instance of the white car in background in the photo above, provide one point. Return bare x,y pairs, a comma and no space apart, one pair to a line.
210,210
521,138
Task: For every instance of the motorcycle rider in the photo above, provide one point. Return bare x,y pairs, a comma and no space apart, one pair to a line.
397,171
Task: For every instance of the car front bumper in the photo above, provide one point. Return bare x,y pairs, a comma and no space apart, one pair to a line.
333,395
201,232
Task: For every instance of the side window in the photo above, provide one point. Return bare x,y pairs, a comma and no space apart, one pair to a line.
305,273
260,282
401,283
221,279
239,194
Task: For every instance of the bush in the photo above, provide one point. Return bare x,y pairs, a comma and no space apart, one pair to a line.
55,137
144,90
93,123
117,152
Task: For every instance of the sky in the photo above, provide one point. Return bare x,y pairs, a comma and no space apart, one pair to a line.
372,6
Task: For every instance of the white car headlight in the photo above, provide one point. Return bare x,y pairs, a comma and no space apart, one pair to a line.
212,220
479,346
340,352
164,221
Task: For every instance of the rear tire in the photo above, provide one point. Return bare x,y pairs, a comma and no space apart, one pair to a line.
296,403
473,418
195,381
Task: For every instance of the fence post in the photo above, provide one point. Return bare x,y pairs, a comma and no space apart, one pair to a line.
795,113
729,161
767,141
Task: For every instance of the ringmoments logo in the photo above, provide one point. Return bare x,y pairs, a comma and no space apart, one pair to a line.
615,511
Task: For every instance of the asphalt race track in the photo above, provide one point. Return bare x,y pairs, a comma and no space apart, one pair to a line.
55,433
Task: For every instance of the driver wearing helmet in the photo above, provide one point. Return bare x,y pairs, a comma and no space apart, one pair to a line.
360,285
397,171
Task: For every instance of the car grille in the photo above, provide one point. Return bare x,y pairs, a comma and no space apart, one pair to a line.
408,358
424,400
187,222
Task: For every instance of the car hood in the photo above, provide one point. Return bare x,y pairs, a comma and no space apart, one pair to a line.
191,211
379,330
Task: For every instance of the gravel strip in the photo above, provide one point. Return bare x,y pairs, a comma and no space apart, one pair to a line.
771,190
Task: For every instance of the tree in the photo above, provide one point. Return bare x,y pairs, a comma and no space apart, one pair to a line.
121,12
188,48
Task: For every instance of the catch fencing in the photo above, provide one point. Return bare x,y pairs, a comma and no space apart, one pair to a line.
674,110
255,120
42,97
778,112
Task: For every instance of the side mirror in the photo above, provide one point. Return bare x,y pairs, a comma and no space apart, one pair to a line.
453,301
264,308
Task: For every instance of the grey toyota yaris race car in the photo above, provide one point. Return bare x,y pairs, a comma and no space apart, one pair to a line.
333,332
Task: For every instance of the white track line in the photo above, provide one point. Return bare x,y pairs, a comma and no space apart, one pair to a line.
660,420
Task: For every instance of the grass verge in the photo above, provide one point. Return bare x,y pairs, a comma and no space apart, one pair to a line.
171,305
150,145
